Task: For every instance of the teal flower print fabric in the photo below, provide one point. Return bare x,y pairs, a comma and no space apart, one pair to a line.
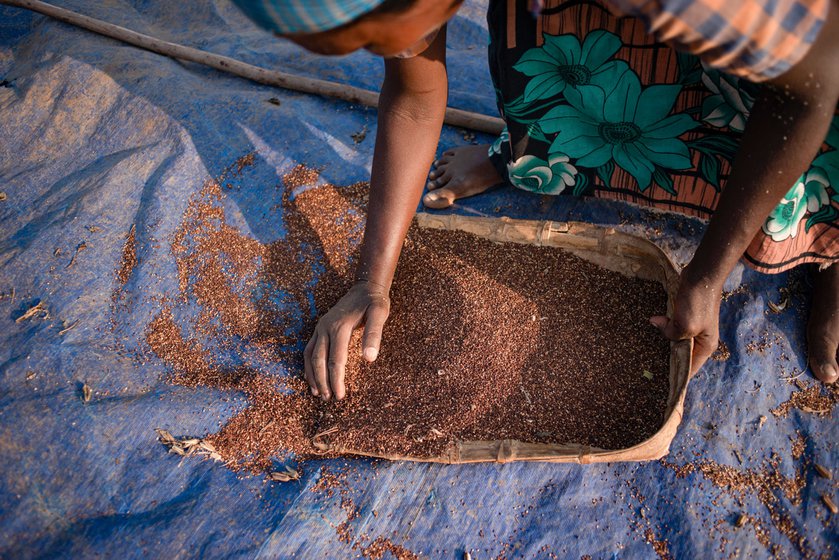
624,123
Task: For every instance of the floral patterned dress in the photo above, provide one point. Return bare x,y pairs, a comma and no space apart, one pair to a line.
595,106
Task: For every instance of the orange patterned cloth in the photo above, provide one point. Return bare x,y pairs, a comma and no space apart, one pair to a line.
753,39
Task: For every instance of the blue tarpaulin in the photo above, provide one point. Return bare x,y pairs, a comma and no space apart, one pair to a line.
97,136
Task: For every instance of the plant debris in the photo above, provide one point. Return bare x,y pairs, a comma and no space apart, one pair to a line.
824,472
358,137
187,447
762,343
39,310
777,308
68,328
288,475
79,248
87,393
830,504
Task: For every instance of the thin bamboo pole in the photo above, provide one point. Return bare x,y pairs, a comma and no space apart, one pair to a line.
454,117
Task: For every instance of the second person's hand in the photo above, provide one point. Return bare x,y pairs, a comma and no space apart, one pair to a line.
325,357
696,315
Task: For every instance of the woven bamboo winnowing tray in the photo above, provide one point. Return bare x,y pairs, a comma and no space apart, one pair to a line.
613,250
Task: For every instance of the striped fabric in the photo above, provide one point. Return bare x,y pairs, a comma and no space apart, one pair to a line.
304,16
753,39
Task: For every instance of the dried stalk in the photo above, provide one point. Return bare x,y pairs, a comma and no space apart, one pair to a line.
34,311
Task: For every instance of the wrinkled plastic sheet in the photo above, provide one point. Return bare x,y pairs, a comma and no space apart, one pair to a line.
97,136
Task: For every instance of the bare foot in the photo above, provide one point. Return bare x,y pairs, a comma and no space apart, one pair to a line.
460,172
823,327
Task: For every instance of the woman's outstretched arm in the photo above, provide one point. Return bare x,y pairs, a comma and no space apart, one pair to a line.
411,109
786,128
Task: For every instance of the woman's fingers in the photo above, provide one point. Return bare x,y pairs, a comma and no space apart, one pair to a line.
667,327
308,369
321,374
377,313
339,342
326,354
704,340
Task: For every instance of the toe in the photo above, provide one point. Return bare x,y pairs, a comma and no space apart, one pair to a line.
440,179
822,358
822,346
823,326
439,199
826,373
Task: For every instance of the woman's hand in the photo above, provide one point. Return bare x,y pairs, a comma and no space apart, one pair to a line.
325,357
696,315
